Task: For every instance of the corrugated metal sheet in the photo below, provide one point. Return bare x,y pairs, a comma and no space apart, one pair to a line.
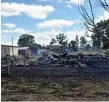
23,48
33,51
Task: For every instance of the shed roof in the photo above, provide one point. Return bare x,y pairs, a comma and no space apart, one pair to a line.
9,45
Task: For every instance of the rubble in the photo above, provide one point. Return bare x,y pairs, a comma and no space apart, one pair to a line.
61,65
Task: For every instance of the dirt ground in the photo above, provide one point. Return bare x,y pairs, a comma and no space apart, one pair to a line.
54,89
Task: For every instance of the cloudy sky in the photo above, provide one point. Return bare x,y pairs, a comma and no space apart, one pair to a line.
44,19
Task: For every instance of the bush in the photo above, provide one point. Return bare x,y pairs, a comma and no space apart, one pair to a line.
32,57
31,62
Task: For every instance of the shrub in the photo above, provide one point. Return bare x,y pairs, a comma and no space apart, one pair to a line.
31,62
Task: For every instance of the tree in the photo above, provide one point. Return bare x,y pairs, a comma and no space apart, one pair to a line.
34,45
94,41
61,39
88,16
52,41
72,45
77,41
27,40
104,4
103,27
83,41
89,22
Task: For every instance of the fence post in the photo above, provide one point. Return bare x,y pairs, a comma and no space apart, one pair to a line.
8,62
24,61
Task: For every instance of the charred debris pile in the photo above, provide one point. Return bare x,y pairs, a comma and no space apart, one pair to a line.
57,65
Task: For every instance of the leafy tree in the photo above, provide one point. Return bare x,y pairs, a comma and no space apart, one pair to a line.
105,38
103,27
52,41
27,40
90,21
72,45
61,39
83,41
43,46
34,45
105,45
77,41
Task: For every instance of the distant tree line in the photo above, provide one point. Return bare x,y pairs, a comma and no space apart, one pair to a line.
99,30
73,44
101,39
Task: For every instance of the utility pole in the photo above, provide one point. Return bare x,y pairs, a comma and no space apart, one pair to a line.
12,46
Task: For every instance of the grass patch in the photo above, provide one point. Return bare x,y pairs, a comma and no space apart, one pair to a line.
31,61
69,89
98,87
11,86
75,83
55,85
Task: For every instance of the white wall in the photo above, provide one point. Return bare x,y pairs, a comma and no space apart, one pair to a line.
8,50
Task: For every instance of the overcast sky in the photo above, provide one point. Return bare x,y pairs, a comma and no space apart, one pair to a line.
44,19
